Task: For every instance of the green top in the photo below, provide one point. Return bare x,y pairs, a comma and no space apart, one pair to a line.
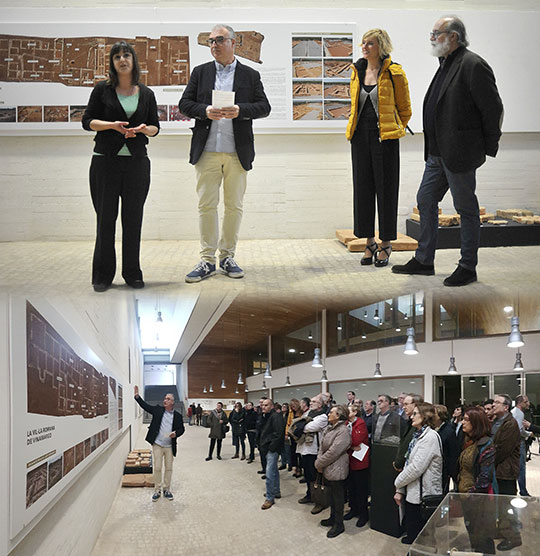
129,104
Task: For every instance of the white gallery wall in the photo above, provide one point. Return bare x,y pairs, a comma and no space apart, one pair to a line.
301,185
72,521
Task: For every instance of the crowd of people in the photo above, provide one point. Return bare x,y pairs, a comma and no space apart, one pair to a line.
479,449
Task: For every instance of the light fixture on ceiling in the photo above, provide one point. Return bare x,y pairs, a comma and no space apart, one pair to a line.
410,344
246,389
484,385
339,327
405,317
377,373
236,391
310,335
204,390
324,378
515,340
240,379
508,309
264,385
398,329
452,370
292,350
223,383
288,381
267,372
472,379
159,319
365,314
376,314
210,389
317,358
518,365
364,336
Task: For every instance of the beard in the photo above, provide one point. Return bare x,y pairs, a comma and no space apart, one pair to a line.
439,49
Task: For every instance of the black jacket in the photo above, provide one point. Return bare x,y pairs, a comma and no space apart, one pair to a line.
104,105
406,431
250,422
237,422
451,451
272,437
157,412
468,113
250,98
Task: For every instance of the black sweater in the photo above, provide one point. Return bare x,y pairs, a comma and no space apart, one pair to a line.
104,105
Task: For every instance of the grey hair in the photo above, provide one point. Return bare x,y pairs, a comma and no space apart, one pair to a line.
455,25
170,394
230,30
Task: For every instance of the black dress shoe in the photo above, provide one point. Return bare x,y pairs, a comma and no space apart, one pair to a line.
414,267
305,500
260,472
208,458
101,287
335,531
219,457
282,467
316,509
460,277
302,481
362,521
407,540
349,515
329,522
383,262
508,545
263,476
135,284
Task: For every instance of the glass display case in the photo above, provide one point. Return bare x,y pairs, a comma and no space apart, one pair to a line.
477,524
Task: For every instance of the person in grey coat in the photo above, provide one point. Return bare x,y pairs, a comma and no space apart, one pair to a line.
333,462
216,422
422,474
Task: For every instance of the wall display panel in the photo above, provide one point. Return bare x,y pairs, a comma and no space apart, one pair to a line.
47,70
67,406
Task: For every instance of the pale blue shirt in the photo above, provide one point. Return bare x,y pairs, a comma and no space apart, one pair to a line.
221,136
163,439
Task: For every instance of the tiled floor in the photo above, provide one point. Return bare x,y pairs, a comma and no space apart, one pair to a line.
217,509
273,267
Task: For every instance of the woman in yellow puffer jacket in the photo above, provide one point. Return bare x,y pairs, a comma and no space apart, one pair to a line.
380,111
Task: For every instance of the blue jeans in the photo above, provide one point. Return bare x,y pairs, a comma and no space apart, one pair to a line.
436,181
522,464
272,476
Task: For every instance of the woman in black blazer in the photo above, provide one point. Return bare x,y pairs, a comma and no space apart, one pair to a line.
124,114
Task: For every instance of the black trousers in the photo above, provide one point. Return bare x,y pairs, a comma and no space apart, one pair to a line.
357,483
252,436
113,178
375,167
509,526
413,519
239,439
213,444
337,500
310,473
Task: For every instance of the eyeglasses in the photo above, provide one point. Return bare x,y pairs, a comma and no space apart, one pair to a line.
436,34
217,40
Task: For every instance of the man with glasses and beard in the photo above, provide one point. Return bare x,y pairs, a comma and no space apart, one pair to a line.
462,124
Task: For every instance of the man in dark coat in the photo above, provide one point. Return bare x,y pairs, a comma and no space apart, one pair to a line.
216,422
166,426
271,442
462,124
222,147
507,440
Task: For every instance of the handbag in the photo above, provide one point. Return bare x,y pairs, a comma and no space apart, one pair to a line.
225,428
320,493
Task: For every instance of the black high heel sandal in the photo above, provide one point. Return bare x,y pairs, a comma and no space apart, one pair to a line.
383,262
372,249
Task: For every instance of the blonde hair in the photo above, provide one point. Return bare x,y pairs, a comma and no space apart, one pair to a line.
383,39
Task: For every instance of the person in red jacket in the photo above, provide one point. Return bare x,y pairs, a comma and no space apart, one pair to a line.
358,469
